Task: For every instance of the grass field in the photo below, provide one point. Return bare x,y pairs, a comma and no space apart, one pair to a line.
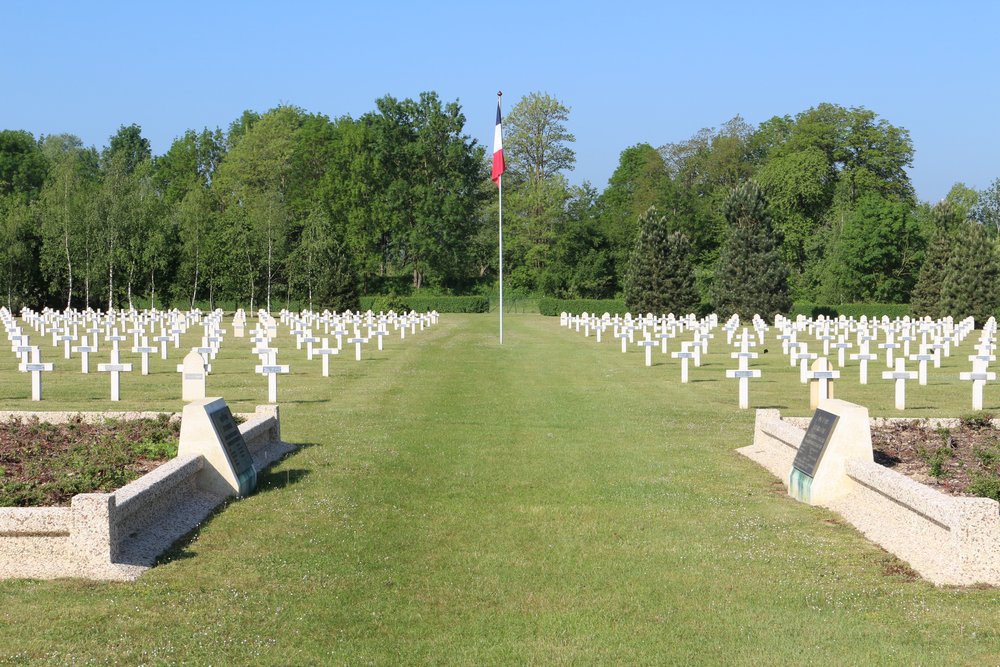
550,501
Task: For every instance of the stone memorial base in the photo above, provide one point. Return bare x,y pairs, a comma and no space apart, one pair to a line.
949,540
118,536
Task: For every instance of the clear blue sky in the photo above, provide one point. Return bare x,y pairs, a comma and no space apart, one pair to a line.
630,71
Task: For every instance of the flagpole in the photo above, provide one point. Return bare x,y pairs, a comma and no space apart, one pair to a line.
500,190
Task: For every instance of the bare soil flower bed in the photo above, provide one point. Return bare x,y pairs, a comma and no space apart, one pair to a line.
45,464
964,460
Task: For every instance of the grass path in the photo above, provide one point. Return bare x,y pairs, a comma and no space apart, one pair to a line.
549,501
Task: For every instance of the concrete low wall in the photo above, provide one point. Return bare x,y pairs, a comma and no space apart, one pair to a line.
948,539
119,535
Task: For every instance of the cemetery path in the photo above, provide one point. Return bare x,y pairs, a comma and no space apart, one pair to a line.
547,501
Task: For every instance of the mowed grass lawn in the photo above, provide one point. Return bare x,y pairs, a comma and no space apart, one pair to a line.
550,501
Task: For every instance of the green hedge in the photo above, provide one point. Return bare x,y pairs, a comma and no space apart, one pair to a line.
856,310
550,307
422,304
547,306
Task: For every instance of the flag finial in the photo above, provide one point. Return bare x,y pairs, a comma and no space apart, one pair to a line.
499,93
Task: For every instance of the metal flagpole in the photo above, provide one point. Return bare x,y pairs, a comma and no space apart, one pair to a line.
500,189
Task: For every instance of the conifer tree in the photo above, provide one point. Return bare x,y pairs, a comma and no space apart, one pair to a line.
660,276
926,299
969,286
926,295
751,277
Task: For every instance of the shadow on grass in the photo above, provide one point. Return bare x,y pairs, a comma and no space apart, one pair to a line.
267,481
274,481
180,549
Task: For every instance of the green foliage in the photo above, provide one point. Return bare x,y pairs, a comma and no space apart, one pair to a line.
23,166
420,303
551,307
264,212
751,277
985,486
855,310
660,276
877,254
537,143
927,292
977,420
337,282
969,285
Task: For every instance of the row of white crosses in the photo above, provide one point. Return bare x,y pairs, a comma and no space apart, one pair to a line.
655,331
66,328
930,339
345,328
933,339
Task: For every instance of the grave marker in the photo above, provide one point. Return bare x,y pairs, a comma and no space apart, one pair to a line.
272,370
325,351
145,350
36,368
115,369
744,376
193,376
900,375
979,377
85,350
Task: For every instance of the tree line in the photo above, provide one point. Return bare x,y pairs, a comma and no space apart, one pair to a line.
289,206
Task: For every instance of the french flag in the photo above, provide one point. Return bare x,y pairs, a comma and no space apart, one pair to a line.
498,163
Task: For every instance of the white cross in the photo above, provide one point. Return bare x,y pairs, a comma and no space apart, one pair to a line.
649,345
116,369
36,368
325,351
271,370
864,357
889,346
145,350
162,339
684,355
979,377
841,345
66,339
900,375
624,338
308,339
114,339
379,333
922,358
804,358
85,351
358,341
744,375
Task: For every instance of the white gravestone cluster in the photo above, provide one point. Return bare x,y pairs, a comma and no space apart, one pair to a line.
138,335
809,343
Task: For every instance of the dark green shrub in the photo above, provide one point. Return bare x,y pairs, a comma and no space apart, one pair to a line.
550,307
422,304
987,486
